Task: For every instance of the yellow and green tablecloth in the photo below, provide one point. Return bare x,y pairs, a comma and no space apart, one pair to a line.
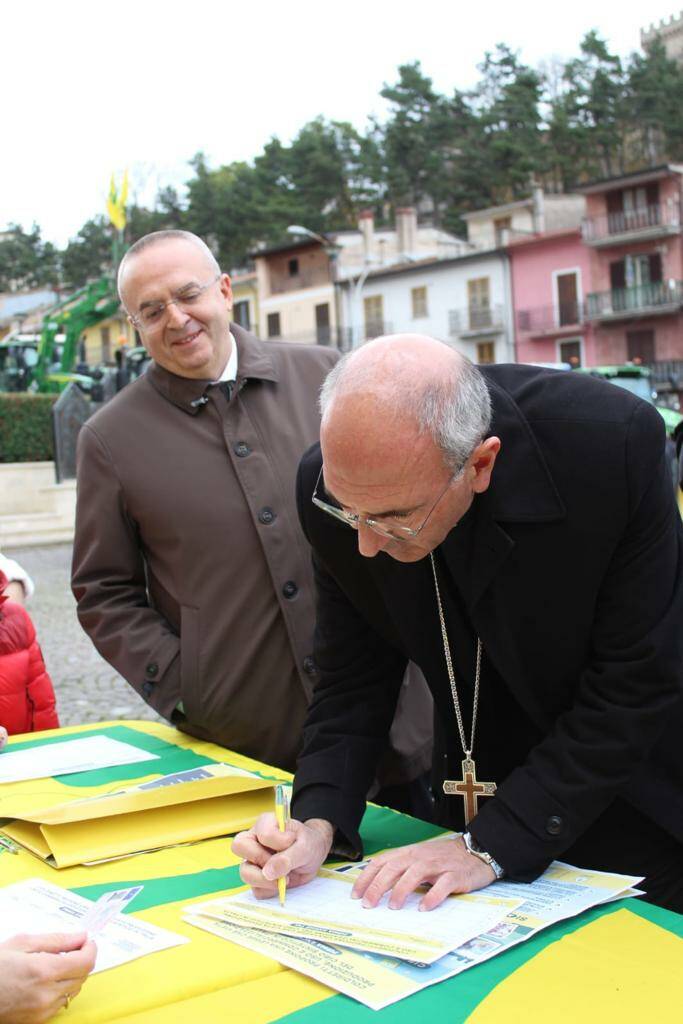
619,963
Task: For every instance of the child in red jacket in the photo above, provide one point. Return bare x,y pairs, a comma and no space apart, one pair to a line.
27,699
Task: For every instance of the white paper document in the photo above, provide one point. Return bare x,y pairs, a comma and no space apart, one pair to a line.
377,981
80,755
323,910
35,907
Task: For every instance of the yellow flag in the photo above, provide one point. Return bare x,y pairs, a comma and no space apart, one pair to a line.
116,202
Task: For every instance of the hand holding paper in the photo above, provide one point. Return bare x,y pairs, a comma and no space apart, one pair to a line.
39,972
443,863
270,854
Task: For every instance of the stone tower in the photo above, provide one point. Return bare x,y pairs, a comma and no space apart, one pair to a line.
671,34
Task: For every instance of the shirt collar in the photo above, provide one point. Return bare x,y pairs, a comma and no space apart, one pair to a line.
230,371
252,362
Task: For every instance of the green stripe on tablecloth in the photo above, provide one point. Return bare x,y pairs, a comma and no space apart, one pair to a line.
377,824
463,993
171,758
158,891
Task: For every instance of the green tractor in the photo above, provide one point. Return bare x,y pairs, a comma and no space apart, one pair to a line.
54,368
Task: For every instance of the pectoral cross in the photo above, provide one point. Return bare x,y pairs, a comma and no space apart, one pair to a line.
469,788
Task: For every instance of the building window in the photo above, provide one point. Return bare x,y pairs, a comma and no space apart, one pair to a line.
486,352
478,303
636,282
631,209
500,225
273,325
293,267
419,300
241,314
567,285
640,346
570,352
322,324
373,308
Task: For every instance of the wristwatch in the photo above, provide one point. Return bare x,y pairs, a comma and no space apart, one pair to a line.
472,846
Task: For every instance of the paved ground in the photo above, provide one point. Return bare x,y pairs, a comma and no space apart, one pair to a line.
87,688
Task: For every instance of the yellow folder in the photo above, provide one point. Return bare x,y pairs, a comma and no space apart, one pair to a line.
214,800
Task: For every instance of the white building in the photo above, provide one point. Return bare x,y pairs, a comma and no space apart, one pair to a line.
464,300
296,280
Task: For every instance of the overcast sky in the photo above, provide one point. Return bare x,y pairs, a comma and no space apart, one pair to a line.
90,87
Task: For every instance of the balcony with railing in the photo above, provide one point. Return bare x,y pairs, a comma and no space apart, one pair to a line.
640,224
546,321
475,321
655,299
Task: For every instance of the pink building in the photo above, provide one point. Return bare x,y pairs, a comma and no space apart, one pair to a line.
550,276
634,236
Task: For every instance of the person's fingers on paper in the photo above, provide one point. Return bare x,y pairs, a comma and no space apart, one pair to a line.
429,863
447,883
405,869
370,873
384,881
446,866
3,736
407,883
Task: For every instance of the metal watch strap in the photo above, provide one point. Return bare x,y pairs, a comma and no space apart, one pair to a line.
472,847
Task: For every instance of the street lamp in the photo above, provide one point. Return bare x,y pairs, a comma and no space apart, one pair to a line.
297,229
356,300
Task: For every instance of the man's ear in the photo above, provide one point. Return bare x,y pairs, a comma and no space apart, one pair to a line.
483,460
226,288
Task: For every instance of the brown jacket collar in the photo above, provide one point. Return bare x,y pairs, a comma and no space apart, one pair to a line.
187,392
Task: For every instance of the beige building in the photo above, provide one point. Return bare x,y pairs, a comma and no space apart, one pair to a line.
99,342
539,213
245,310
296,292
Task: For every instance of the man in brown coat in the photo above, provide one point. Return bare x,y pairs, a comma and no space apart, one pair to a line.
190,570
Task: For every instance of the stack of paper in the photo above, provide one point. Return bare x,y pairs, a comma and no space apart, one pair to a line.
379,956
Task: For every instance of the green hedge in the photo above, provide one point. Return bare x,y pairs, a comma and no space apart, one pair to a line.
26,427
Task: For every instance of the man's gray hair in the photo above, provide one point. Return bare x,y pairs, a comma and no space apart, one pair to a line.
454,408
169,234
